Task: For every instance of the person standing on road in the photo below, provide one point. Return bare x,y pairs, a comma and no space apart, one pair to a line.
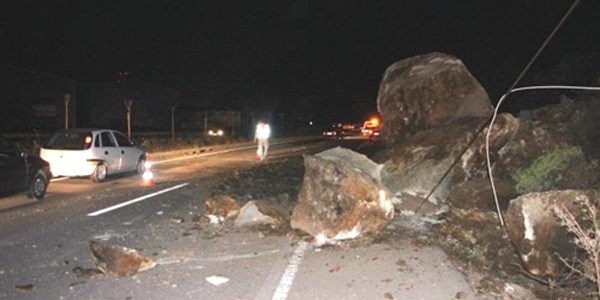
263,132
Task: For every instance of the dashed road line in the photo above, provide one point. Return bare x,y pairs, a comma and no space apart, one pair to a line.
285,284
105,210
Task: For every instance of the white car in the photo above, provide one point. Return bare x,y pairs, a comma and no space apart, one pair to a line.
92,152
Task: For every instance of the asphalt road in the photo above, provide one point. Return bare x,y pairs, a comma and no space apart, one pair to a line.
41,243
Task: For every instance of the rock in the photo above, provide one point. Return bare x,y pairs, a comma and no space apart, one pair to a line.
341,196
118,260
86,273
177,220
436,160
223,206
513,291
477,193
24,287
568,124
428,91
260,212
537,233
217,280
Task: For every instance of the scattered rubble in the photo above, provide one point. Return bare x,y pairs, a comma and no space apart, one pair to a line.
434,172
434,164
117,260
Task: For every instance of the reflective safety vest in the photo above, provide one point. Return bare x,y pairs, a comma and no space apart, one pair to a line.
263,131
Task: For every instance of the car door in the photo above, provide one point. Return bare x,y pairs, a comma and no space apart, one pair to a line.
109,152
13,171
129,154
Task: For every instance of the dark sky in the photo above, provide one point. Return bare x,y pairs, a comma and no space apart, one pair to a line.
281,48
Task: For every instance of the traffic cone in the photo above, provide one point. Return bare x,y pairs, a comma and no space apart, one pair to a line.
148,178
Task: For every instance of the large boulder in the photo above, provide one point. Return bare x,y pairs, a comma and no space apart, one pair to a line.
341,196
539,238
431,162
428,91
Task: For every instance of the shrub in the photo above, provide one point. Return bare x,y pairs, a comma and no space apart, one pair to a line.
545,172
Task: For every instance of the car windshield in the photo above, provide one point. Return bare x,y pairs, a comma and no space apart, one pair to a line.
67,140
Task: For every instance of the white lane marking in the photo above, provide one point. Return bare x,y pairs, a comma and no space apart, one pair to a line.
218,152
283,288
105,210
59,179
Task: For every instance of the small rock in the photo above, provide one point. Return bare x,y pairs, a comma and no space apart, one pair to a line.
260,213
217,280
86,273
118,260
213,219
177,220
222,206
513,291
24,288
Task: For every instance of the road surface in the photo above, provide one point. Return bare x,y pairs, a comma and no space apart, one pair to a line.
42,242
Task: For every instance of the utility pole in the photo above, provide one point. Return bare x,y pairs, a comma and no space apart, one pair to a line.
205,122
173,123
67,99
128,104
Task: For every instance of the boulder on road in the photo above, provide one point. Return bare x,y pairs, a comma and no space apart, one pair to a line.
341,196
117,260
536,232
428,91
222,206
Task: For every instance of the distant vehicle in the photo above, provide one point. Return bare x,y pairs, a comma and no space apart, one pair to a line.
21,172
216,132
335,131
374,134
329,133
92,152
369,127
342,130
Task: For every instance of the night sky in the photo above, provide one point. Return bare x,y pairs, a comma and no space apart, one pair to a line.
334,51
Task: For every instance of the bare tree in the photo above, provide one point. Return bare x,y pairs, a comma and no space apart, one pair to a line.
128,104
586,237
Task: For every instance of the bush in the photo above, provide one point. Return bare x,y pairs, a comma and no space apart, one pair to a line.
545,172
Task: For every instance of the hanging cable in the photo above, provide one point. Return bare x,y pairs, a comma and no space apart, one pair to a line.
493,118
512,87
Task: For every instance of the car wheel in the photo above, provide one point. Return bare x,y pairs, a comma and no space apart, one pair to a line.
100,172
37,187
141,166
